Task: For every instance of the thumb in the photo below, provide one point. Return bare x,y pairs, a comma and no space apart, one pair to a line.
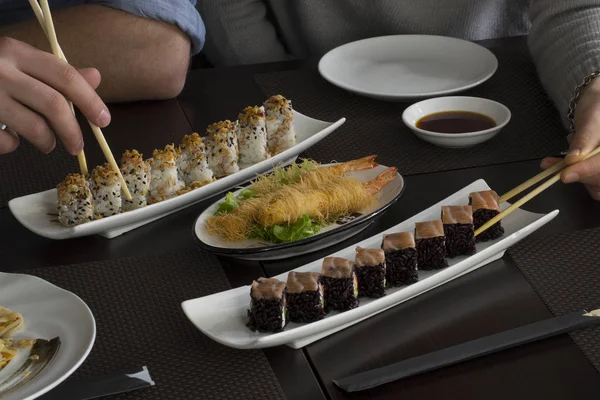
92,76
582,142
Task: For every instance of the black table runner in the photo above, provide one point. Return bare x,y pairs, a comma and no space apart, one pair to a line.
137,306
376,127
565,272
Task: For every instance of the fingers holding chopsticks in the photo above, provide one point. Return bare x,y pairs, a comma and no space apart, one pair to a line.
589,177
591,182
584,140
33,97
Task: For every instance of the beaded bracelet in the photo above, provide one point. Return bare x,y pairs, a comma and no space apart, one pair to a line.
573,104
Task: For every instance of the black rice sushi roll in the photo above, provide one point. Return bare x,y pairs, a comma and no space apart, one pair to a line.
459,231
485,207
400,258
305,297
267,305
338,276
431,245
370,272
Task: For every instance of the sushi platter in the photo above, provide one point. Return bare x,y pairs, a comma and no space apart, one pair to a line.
231,317
340,229
174,177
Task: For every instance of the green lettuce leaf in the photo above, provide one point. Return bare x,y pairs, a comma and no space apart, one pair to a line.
301,229
247,194
228,205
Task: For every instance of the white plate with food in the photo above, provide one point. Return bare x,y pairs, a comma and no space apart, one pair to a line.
46,312
427,239
278,216
174,177
404,67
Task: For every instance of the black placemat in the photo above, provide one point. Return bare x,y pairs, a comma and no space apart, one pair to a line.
27,170
565,272
376,127
137,306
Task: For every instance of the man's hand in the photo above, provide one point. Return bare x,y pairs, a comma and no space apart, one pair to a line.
34,86
583,141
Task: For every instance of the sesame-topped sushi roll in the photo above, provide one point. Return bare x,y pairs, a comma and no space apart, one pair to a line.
458,229
164,181
252,135
431,245
340,285
400,258
267,305
192,162
280,124
136,173
75,204
370,271
485,207
222,148
305,297
106,191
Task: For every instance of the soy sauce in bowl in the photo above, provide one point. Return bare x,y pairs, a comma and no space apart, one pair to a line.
455,122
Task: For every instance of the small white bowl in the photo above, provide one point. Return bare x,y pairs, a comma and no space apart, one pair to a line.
496,111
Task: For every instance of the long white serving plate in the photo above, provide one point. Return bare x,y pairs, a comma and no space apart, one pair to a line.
222,316
35,211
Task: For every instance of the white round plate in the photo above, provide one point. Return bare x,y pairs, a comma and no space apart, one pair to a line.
403,67
48,312
254,249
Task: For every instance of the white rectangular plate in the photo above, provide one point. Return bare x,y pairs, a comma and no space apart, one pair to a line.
222,316
33,210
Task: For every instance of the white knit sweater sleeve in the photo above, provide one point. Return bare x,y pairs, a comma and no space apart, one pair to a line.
565,44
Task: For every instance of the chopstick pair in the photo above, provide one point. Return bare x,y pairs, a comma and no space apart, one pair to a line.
44,17
526,185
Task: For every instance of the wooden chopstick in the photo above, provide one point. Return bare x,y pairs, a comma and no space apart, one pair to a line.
530,182
51,33
531,194
37,10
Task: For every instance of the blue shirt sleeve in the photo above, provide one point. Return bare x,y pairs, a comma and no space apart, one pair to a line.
182,13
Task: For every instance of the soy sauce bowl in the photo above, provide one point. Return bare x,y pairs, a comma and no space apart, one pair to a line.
499,113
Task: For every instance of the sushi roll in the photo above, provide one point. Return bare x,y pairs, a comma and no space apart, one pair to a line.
164,181
106,191
370,272
458,229
252,136
268,310
222,148
280,124
136,173
305,297
431,245
192,163
400,258
485,207
338,276
75,203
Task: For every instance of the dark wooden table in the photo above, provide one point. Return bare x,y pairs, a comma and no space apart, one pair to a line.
491,299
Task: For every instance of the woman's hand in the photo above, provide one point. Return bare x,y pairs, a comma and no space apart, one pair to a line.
34,86
583,141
